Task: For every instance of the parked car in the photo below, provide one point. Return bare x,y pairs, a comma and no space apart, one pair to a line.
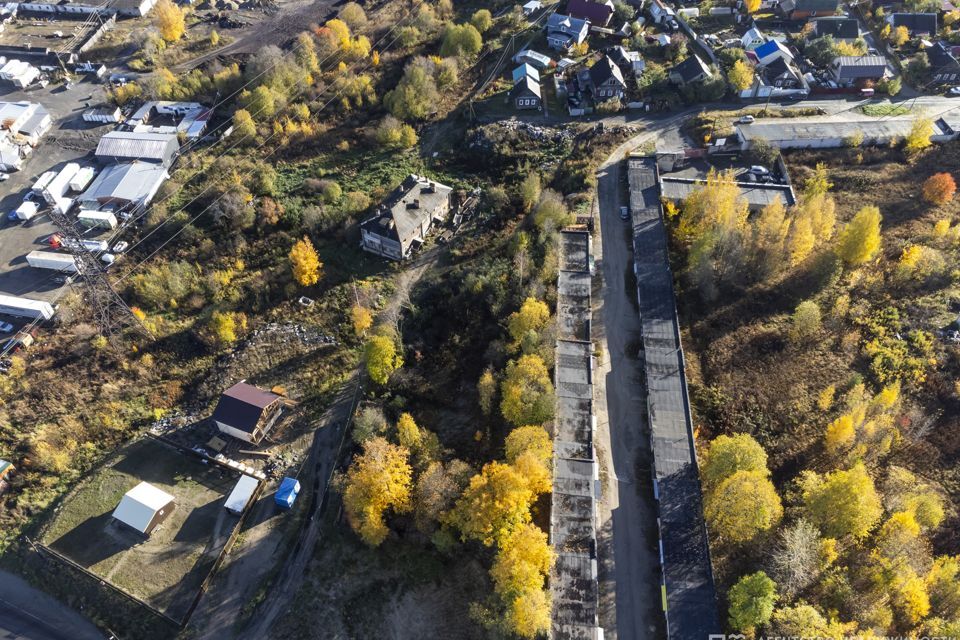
121,246
757,170
108,258
624,213
13,217
4,177
746,120
55,240
953,91
6,327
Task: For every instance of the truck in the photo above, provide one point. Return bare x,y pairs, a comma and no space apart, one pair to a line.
25,307
27,209
63,262
59,185
42,182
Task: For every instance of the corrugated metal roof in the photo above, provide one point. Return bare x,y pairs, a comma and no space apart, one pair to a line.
132,182
138,146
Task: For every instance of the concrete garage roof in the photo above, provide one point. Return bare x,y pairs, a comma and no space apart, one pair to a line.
758,195
797,131
691,600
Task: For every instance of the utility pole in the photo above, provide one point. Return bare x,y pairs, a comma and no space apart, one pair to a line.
111,313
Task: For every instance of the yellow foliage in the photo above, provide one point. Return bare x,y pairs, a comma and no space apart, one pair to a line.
408,433
487,391
169,20
840,433
941,228
527,391
740,76
919,137
379,480
494,505
536,472
529,614
752,6
305,262
533,315
522,562
382,359
361,318
859,241
531,438
742,506
826,397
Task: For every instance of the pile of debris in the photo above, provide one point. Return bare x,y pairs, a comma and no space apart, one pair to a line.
512,131
305,335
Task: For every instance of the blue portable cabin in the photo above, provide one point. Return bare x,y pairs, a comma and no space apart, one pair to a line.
287,493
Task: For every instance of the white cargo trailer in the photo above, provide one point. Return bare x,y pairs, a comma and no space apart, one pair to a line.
59,185
42,182
27,209
82,179
97,219
49,260
25,307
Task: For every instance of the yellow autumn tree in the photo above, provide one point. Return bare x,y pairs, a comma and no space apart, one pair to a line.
381,358
918,138
526,391
169,20
493,506
531,438
361,318
378,481
533,315
752,6
844,502
859,241
305,263
769,237
523,561
742,506
740,76
487,391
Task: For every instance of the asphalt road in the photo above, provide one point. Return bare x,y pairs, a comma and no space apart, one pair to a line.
28,614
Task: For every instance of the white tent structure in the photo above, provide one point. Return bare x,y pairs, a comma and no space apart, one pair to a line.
144,507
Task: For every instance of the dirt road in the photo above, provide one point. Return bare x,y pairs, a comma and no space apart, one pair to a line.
629,572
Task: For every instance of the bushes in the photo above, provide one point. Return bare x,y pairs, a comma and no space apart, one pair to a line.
165,284
939,188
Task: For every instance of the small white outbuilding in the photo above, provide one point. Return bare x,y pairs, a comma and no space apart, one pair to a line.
144,507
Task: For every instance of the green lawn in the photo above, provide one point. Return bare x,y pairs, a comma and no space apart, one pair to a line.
165,570
885,110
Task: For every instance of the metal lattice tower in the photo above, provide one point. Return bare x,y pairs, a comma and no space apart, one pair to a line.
111,313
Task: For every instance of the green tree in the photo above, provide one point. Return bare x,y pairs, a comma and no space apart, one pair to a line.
526,391
821,51
742,506
415,96
381,358
530,190
844,502
943,583
243,125
305,51
482,20
354,15
461,40
729,454
806,320
859,241
379,480
261,103
751,602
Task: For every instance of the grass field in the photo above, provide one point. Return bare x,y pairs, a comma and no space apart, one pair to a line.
885,110
167,569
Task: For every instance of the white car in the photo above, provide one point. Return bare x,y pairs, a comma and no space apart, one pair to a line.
746,120
954,91
624,213
6,327
120,247
757,170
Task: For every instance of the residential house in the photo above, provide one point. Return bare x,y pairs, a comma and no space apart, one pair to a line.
403,220
564,32
782,75
132,8
596,13
918,24
851,69
526,94
525,69
630,62
663,39
801,9
693,69
752,39
533,58
839,28
246,412
770,51
143,508
604,80
944,66
660,12
532,7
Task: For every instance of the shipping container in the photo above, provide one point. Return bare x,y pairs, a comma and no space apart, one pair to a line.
287,493
42,182
25,307
49,260
99,219
58,186
82,179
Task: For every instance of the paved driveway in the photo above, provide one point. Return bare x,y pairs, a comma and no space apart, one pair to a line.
32,615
